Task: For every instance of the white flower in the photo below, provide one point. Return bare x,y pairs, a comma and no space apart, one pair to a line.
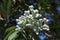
31,6
31,10
40,19
29,20
21,18
45,20
26,12
28,25
30,16
35,11
37,33
20,22
39,8
18,28
45,27
17,20
33,38
34,29
38,15
37,23
39,28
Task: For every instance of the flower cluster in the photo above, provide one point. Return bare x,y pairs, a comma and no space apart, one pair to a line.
32,19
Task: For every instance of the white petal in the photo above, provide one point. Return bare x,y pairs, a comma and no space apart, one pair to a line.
37,33
47,20
20,22
46,28
44,19
40,19
27,11
36,11
37,15
17,26
34,29
28,25
31,6
45,25
39,8
16,29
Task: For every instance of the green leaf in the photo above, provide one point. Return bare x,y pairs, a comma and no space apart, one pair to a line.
13,36
5,38
6,6
10,29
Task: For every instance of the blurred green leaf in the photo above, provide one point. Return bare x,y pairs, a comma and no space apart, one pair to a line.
13,36
6,6
6,36
10,29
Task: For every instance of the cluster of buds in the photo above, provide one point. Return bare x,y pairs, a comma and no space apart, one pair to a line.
32,19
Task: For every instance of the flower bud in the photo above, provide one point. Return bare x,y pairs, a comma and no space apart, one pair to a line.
35,11
31,7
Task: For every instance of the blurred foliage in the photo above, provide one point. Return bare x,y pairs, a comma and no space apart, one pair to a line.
5,6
